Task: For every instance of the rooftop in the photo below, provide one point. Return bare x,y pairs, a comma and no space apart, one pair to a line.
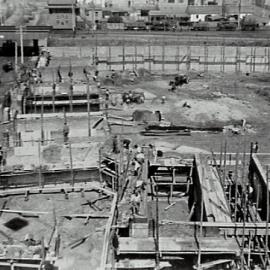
62,2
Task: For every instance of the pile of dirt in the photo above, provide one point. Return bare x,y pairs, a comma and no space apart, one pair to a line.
145,116
52,153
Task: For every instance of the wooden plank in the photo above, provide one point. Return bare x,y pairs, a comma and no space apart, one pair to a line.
176,246
231,228
138,264
85,216
23,212
260,168
215,203
20,265
251,225
106,241
36,190
211,264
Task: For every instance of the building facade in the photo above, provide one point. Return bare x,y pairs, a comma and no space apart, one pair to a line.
126,4
92,13
62,14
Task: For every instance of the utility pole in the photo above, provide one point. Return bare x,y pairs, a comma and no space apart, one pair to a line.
239,14
267,218
21,44
73,19
223,7
16,56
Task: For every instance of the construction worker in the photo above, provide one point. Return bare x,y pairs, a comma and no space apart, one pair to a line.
255,147
15,119
116,148
107,94
163,99
1,157
137,167
59,74
135,200
65,132
95,77
6,137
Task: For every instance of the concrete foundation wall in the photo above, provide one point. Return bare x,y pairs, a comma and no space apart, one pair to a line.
48,178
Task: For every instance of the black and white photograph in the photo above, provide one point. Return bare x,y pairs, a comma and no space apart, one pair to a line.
134,134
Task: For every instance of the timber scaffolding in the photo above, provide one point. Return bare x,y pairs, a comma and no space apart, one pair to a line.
203,210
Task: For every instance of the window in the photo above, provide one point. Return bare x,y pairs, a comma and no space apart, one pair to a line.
171,1
57,21
197,16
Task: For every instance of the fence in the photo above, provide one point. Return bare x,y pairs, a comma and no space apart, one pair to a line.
166,58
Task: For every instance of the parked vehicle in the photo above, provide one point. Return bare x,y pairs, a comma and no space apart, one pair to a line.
227,25
160,26
200,26
135,26
249,23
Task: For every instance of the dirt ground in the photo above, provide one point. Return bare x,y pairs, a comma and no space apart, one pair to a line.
83,256
215,100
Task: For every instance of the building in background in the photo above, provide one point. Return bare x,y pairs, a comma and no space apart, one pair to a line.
62,14
128,4
92,13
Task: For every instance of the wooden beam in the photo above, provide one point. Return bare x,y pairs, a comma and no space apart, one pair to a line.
70,216
36,190
231,228
212,264
23,212
106,241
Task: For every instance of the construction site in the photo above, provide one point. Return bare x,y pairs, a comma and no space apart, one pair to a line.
138,156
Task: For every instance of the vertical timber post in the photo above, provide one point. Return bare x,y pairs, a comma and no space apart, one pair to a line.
88,109
268,53
41,118
267,217
177,58
163,56
71,165
188,59
124,56
149,55
135,52
110,58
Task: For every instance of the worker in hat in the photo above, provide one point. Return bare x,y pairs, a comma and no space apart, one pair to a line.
1,157
65,132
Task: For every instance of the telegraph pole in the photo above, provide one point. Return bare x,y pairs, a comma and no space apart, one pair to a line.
239,13
21,44
16,56
223,8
